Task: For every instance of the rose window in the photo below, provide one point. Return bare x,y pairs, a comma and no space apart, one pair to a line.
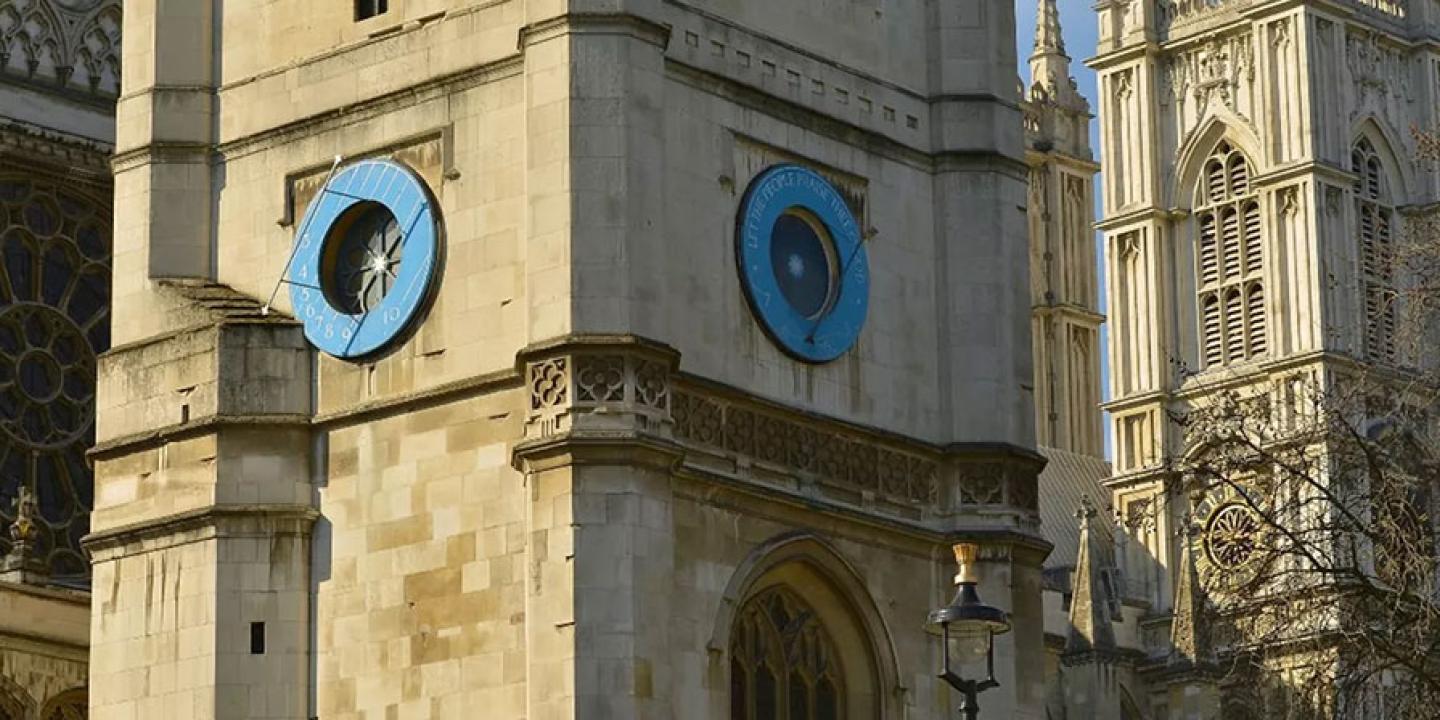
1232,536
54,320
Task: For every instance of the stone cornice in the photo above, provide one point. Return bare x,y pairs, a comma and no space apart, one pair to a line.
795,113
780,43
162,153
1293,171
201,524
635,449
454,391
916,539
1074,312
66,155
595,24
1114,58
1208,382
189,430
1128,217
371,108
1038,158
57,594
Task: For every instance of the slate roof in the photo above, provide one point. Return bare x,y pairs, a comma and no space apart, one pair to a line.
1067,478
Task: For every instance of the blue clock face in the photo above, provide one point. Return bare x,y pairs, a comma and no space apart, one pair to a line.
367,259
802,263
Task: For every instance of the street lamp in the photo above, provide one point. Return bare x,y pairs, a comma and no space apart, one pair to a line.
968,627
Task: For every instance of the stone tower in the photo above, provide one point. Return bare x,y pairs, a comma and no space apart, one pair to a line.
59,79
1064,284
1257,156
563,358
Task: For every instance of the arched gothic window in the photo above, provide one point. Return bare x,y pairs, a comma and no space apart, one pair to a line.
54,320
1375,216
10,707
783,663
1230,260
69,705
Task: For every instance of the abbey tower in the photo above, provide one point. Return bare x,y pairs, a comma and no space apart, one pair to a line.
1259,165
581,358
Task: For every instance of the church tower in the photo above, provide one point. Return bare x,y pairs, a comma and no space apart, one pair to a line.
564,359
1063,274
1258,159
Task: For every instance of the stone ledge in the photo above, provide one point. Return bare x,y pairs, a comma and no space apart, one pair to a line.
597,448
595,24
198,525
149,440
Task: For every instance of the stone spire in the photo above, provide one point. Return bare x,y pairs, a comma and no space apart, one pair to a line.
1090,622
1048,38
1189,630
1049,65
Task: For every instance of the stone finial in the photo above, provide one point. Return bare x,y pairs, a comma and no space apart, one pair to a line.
21,565
1091,627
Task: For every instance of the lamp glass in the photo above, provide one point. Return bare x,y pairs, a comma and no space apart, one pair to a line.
969,641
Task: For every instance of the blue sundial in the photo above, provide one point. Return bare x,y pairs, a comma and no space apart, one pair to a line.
802,263
367,259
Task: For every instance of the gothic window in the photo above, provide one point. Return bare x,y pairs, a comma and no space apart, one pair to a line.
783,663
1375,216
11,708
69,705
54,320
1230,260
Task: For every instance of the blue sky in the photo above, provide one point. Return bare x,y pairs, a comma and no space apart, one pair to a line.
1080,26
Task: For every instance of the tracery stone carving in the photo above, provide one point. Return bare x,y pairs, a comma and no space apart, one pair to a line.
1175,14
1212,73
73,44
1375,69
1231,536
838,458
603,384
549,383
983,484
54,320
652,384
783,662
599,378
1140,516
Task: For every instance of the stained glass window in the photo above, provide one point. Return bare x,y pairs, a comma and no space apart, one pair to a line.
54,320
783,663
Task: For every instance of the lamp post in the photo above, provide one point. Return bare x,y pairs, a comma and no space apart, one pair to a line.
970,626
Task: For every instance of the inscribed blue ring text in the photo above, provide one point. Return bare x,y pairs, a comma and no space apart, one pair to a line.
811,339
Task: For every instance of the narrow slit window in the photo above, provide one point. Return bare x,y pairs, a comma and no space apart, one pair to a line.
366,9
257,638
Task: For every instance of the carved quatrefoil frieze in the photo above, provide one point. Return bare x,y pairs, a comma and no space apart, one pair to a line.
833,457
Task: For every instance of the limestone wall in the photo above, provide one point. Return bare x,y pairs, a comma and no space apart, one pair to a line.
421,593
